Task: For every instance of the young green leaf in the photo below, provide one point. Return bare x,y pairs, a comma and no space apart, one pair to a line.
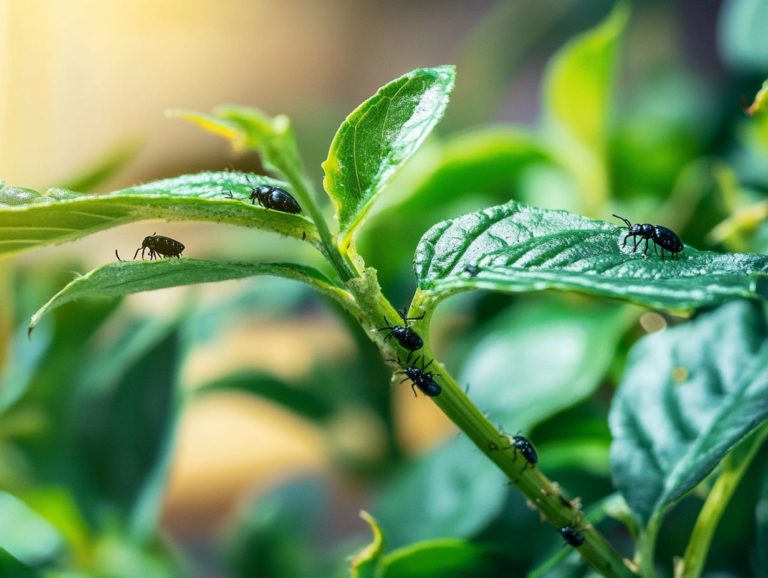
516,248
441,558
29,219
578,102
123,278
688,396
368,562
378,137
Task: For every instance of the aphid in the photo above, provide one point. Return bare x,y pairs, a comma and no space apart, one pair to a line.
661,237
420,377
572,536
403,334
159,246
472,270
525,447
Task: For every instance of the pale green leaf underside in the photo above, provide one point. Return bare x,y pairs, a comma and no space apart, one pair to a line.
517,248
379,136
689,395
122,278
29,219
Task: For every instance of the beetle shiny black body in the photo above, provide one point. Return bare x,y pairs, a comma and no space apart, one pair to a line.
525,447
159,246
572,536
403,334
420,377
274,198
663,238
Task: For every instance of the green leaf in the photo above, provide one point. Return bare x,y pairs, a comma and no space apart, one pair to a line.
123,278
123,424
760,103
277,534
367,563
29,219
453,492
741,35
761,523
250,128
25,535
689,395
518,248
445,558
504,368
578,102
306,403
378,137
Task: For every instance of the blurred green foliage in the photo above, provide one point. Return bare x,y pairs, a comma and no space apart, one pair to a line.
89,407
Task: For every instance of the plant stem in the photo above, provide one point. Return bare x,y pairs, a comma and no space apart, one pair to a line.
541,492
295,175
734,467
646,547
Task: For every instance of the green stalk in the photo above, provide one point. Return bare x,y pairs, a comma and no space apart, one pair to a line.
453,401
646,547
734,466
304,190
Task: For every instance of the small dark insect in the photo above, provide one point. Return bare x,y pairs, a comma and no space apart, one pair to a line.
524,446
275,198
159,246
661,237
403,334
472,270
420,377
572,536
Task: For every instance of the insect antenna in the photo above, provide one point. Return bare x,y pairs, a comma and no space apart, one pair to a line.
629,225
137,252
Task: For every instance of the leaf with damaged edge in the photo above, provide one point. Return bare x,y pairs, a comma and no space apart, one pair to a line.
515,248
378,137
123,278
30,219
688,396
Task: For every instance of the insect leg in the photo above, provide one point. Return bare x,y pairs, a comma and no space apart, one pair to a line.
413,387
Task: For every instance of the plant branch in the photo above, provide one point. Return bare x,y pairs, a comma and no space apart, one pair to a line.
453,401
734,467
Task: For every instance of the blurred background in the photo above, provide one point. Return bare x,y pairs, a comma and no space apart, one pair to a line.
236,429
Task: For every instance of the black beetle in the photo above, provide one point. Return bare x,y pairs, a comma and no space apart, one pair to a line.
271,197
275,198
524,446
159,246
403,334
472,270
661,237
572,536
420,377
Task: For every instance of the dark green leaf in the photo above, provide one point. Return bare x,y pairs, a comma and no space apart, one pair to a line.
761,521
379,136
29,219
306,403
123,278
742,38
446,558
518,248
689,395
452,492
513,374
276,536
123,423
